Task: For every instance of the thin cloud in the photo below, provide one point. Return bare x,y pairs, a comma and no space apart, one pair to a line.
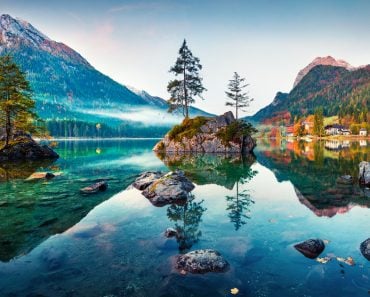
143,6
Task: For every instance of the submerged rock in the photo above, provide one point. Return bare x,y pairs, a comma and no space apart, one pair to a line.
365,249
364,173
146,179
25,148
345,180
311,248
172,187
202,261
221,134
41,175
94,188
170,232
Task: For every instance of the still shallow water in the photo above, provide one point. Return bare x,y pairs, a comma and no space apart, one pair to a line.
57,242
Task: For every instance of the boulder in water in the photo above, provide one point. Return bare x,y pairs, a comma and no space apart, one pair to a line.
172,187
364,174
311,248
345,180
146,179
365,249
94,188
202,261
25,148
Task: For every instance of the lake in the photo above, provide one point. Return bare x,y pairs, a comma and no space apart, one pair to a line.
55,241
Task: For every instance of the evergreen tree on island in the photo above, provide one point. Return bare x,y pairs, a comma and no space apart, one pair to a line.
16,103
238,98
183,91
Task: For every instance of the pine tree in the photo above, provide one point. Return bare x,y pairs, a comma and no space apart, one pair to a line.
238,98
16,104
183,91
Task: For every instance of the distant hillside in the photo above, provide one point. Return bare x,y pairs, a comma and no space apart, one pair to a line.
338,90
67,88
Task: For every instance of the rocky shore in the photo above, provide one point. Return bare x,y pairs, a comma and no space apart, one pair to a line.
25,148
221,134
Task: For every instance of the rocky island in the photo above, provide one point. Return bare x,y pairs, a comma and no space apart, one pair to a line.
23,147
221,134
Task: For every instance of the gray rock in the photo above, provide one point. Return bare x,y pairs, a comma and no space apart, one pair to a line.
25,148
202,261
364,173
345,180
94,188
207,140
365,249
172,187
146,179
170,232
311,248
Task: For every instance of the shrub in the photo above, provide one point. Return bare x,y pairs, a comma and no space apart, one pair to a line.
188,128
235,132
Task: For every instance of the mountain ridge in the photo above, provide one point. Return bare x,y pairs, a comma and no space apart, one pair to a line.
335,88
67,87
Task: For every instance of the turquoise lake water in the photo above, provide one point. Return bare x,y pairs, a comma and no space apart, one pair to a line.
55,241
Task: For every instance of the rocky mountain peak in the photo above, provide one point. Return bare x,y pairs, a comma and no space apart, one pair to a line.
13,31
328,60
17,33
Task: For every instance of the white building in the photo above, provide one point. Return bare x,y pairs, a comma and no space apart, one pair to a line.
363,132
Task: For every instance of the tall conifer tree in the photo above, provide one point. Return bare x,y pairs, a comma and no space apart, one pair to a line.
183,91
16,104
238,98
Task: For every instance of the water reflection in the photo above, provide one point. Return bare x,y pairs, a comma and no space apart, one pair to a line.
225,170
238,207
21,170
187,219
31,211
220,169
313,168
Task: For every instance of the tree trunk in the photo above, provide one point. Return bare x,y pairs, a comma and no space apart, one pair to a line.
185,95
8,129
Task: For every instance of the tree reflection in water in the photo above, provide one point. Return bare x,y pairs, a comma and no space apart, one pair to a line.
187,219
238,207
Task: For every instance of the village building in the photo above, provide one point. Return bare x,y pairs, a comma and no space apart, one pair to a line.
289,131
336,129
363,132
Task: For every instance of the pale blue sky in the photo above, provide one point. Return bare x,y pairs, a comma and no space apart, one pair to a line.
267,41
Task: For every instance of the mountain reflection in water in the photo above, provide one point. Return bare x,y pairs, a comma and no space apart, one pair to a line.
314,167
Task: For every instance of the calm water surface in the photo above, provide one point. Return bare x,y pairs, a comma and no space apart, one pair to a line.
56,242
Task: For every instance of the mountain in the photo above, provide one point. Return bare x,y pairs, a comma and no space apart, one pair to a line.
68,88
321,61
340,90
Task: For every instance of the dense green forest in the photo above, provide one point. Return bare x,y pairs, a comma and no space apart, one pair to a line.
339,91
74,128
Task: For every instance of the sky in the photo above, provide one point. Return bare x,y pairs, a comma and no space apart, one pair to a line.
265,41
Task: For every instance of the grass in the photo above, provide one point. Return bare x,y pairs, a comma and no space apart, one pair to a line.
187,129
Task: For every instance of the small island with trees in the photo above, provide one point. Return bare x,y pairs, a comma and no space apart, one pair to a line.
221,134
17,118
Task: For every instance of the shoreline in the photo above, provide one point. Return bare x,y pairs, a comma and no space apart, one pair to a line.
95,139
